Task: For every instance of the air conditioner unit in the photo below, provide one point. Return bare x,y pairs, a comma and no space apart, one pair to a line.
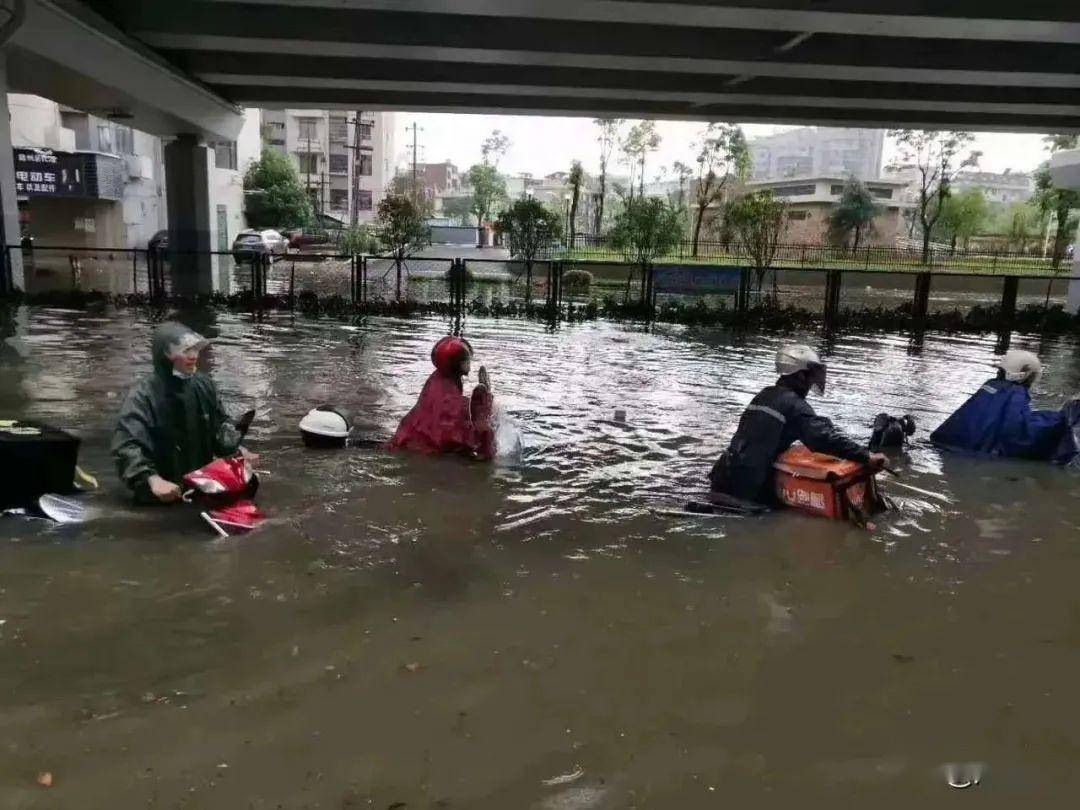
140,167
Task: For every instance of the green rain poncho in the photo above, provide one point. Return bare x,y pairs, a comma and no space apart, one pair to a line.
170,425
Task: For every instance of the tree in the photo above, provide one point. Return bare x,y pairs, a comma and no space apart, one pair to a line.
682,173
757,221
273,195
1019,223
401,228
488,188
494,147
529,228
853,216
608,137
359,239
936,157
1056,202
964,214
646,229
723,156
458,209
575,180
636,146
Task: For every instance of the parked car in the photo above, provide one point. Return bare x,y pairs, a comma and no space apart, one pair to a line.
252,244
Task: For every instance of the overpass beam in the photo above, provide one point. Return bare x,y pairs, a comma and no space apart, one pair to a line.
188,175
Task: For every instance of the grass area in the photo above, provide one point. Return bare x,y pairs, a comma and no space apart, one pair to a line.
891,262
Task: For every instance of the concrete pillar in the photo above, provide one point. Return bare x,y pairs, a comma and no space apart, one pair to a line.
1073,303
9,206
188,176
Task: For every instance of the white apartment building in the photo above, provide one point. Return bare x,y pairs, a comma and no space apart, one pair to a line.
1005,187
86,181
818,151
345,158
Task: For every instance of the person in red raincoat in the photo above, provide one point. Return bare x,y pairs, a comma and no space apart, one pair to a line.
444,420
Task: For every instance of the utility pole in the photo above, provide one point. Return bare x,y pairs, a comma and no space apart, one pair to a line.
415,187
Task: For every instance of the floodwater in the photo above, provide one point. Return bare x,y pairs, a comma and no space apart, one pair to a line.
431,633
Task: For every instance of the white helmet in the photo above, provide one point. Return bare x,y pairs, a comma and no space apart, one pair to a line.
795,358
325,426
1020,366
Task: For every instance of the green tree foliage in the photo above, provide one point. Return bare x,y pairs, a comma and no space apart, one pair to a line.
273,194
489,188
964,214
641,139
494,147
646,229
608,137
401,228
458,209
723,159
853,216
1055,202
575,180
757,222
1018,224
529,229
359,239
935,157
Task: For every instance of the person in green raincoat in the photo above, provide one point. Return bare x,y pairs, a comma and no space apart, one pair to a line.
172,421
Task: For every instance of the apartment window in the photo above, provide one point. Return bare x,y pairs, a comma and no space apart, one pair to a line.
798,215
836,189
124,140
225,155
309,162
363,200
365,165
339,199
806,190
339,164
365,132
882,193
339,130
309,129
104,137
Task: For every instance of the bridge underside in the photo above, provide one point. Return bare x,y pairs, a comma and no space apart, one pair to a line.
962,64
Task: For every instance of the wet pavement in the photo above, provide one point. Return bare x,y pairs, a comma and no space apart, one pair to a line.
429,633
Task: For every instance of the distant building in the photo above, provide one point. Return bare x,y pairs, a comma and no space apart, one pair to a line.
345,158
810,201
818,151
1003,188
434,180
86,181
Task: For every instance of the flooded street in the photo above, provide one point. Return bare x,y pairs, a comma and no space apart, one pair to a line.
431,633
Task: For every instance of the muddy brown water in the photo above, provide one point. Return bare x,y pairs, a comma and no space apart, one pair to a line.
429,633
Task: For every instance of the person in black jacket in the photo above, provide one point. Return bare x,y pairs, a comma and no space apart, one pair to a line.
774,420
173,421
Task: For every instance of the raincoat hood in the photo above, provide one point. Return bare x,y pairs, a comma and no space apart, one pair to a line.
169,338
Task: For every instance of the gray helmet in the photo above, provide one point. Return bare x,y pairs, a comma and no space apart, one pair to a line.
793,358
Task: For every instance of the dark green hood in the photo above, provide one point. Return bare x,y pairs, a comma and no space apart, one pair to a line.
166,336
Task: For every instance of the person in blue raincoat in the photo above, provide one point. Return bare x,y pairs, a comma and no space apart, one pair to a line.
998,420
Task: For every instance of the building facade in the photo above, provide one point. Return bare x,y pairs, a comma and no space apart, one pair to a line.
818,151
87,181
998,187
810,201
345,158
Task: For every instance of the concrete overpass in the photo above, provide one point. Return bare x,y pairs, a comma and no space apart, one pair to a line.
179,68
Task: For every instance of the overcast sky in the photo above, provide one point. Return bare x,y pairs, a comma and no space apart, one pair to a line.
542,145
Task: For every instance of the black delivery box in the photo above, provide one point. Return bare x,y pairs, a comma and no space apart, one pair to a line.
35,459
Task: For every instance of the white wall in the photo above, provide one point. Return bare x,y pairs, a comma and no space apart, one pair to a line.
35,121
228,184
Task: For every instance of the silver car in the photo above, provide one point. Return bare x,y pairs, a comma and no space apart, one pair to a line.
252,244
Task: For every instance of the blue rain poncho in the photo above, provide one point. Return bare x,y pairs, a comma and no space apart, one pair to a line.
998,420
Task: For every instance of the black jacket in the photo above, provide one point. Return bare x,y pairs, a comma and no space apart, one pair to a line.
774,420
169,426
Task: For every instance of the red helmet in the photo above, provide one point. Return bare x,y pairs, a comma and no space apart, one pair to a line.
449,352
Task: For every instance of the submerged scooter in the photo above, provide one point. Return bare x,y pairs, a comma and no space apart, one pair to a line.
225,488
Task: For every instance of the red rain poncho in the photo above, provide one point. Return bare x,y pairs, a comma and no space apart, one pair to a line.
444,420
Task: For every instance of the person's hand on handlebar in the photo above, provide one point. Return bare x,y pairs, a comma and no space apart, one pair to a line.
877,461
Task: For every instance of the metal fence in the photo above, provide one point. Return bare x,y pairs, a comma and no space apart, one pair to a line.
588,247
